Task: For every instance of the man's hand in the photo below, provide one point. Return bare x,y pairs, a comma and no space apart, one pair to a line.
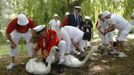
78,49
67,54
104,33
13,45
39,59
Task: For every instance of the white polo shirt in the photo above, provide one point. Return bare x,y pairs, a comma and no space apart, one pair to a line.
118,21
75,33
55,24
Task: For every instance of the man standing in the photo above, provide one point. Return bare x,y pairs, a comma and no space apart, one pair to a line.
75,19
55,24
19,28
65,20
87,26
122,25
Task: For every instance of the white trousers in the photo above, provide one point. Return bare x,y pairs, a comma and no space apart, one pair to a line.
62,47
16,36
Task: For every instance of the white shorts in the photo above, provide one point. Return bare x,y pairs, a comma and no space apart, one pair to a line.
16,36
122,33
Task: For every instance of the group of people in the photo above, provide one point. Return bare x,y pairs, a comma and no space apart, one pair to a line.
66,37
107,23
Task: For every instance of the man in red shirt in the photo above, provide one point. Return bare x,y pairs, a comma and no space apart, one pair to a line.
19,28
47,40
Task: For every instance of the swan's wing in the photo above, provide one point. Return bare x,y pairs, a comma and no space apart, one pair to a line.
67,61
52,59
74,61
29,65
71,60
39,68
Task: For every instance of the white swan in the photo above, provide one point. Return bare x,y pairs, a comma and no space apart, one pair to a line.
39,67
72,61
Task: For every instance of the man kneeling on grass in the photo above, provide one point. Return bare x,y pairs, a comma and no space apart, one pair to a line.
47,39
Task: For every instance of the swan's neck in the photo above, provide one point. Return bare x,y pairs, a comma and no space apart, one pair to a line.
48,68
87,57
49,60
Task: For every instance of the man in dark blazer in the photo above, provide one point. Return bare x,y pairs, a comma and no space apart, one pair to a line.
75,19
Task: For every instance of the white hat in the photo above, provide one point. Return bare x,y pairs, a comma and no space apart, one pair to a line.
77,7
132,14
67,13
87,17
55,15
39,28
22,20
105,13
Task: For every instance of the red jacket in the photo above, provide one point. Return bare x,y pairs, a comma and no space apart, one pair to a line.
65,22
22,29
46,44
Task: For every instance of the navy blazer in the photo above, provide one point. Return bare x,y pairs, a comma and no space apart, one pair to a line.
72,21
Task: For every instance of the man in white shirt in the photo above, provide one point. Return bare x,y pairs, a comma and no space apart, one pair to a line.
122,25
72,38
55,24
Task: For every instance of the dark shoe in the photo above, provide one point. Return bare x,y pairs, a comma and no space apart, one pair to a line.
60,68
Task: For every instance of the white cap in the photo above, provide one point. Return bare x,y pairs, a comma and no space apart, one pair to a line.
77,7
67,13
87,17
132,14
105,13
55,15
39,28
22,20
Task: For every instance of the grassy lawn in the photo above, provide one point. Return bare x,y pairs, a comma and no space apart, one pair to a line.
5,49
106,65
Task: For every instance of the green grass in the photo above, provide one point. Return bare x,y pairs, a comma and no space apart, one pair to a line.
112,66
5,49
